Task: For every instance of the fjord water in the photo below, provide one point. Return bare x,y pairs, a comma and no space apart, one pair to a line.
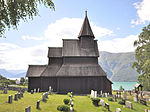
125,85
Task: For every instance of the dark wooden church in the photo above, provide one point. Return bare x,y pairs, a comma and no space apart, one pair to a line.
73,67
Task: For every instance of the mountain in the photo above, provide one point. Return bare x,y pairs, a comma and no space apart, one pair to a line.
118,66
12,73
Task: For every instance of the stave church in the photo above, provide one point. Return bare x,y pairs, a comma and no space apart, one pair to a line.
72,67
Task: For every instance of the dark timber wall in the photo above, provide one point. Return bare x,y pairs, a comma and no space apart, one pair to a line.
82,85
34,83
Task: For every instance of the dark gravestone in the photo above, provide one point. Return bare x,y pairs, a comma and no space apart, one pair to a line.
10,99
115,98
19,95
117,94
29,109
38,104
16,97
107,106
26,109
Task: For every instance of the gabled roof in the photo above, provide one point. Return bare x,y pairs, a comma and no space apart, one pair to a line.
86,28
35,70
72,70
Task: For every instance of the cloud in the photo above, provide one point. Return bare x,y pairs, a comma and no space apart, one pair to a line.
27,37
7,46
67,28
19,58
143,12
118,44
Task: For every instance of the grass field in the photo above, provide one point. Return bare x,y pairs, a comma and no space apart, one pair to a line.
81,104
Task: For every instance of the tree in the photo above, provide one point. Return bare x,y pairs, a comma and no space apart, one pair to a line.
13,11
121,88
142,56
22,80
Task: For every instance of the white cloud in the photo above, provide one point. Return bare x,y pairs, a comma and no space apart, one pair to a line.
19,58
118,44
143,12
15,57
27,37
7,46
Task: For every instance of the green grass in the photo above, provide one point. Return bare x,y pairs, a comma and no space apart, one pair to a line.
81,104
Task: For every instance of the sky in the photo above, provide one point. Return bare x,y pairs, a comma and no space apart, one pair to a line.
116,24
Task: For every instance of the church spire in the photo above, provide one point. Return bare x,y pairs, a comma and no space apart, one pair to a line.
86,28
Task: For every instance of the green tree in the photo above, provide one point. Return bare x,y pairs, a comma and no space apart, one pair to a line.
121,88
13,11
142,56
22,80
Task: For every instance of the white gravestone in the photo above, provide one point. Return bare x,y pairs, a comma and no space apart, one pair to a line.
129,105
125,95
102,102
118,110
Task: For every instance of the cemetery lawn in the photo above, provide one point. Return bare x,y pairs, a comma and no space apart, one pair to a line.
81,104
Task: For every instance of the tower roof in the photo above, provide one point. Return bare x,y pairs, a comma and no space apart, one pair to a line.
86,28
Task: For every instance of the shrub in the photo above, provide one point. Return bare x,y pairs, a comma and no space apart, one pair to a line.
95,101
63,108
122,102
69,94
66,101
110,99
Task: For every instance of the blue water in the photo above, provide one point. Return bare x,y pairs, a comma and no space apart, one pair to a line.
125,85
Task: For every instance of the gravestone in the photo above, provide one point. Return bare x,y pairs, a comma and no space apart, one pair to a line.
115,98
38,90
102,102
38,104
95,94
135,98
5,91
29,108
35,90
117,94
107,106
32,92
106,95
10,99
92,93
118,110
125,95
26,109
44,97
101,92
19,95
46,94
16,97
71,109
129,104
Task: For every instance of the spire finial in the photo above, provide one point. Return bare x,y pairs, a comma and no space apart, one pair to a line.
86,13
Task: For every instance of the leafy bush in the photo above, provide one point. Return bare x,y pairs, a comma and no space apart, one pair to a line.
69,94
63,108
66,101
122,102
110,99
95,101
